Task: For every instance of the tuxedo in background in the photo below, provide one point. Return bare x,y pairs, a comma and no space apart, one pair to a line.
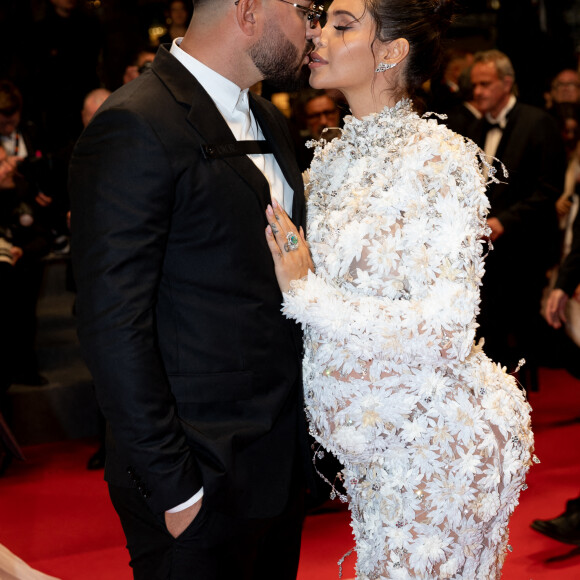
524,202
196,369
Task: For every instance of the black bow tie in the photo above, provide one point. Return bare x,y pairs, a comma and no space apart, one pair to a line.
491,125
487,127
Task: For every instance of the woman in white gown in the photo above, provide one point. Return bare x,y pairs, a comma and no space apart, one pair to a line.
435,438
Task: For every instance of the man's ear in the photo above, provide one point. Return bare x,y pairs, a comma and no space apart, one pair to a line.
508,83
246,14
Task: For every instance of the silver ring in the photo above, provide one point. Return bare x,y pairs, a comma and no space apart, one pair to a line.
292,242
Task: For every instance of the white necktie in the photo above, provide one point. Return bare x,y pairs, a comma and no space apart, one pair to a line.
243,117
246,130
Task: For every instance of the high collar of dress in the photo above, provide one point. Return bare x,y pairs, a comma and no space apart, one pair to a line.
389,119
402,108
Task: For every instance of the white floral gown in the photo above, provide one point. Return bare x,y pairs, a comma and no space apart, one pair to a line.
435,438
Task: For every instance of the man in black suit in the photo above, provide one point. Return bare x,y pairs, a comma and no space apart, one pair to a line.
196,369
522,217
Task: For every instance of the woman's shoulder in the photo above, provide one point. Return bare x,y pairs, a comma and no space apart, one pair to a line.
428,126
451,145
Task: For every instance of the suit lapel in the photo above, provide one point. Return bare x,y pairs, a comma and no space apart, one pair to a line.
507,132
279,141
284,153
206,120
211,127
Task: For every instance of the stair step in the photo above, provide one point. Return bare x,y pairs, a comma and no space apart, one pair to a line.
66,407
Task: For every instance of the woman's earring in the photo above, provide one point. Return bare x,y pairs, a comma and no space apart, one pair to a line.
383,66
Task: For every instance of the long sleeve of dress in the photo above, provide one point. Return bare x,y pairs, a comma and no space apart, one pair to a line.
396,221
399,280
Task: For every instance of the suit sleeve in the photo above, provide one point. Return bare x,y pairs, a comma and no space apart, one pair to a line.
122,191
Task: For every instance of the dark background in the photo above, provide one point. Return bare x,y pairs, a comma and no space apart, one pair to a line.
540,36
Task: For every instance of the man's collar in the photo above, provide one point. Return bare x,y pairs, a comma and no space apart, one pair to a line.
501,119
224,92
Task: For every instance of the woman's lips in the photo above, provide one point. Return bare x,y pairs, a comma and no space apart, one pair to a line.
316,60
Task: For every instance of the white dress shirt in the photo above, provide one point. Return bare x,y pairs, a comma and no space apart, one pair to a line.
494,135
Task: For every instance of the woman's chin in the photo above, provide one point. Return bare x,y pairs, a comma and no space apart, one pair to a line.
315,81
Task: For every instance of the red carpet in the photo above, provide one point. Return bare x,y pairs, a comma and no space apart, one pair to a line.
56,515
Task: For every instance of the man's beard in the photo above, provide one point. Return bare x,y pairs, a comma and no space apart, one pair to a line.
278,60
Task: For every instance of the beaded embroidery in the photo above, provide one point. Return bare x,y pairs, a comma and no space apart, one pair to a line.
434,437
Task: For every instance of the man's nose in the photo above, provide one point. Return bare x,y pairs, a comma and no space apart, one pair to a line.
313,34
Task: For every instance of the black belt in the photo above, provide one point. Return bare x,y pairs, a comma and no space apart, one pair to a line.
236,149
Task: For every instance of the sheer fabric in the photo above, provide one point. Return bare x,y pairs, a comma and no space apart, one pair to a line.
435,438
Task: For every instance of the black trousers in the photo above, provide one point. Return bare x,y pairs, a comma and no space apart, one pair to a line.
509,318
215,546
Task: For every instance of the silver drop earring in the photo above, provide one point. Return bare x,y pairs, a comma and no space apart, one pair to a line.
383,66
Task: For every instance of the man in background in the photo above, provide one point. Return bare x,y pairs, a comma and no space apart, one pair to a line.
64,50
522,218
564,88
92,103
317,117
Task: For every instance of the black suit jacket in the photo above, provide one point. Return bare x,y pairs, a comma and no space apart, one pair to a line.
531,149
195,367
